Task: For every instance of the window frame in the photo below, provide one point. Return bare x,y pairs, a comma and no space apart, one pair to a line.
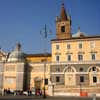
68,46
82,79
80,57
57,47
57,78
93,56
68,56
80,45
57,58
94,79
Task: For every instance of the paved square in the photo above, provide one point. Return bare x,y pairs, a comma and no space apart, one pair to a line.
41,98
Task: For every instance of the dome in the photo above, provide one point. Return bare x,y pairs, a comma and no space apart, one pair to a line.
79,34
16,55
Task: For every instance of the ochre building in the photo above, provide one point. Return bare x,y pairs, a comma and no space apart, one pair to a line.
73,67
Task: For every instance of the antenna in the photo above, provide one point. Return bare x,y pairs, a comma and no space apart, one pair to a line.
45,31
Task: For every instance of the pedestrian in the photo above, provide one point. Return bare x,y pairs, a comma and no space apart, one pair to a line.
40,92
2,92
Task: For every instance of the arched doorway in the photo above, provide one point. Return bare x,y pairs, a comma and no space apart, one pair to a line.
37,83
70,77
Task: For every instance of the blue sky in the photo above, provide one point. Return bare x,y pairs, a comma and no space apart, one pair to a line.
22,20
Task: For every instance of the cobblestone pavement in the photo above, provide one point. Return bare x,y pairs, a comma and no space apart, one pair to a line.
47,98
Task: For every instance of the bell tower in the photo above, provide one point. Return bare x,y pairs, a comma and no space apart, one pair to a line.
63,25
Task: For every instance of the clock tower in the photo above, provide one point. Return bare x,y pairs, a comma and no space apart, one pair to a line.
63,25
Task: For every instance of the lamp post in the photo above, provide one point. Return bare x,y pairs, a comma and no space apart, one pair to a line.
44,95
44,32
80,89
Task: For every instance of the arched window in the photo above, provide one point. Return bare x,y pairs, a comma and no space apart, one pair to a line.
94,69
62,28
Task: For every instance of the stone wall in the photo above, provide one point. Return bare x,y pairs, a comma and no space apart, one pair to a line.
86,80
1,74
61,80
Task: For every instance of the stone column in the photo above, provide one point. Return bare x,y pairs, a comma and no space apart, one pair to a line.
20,76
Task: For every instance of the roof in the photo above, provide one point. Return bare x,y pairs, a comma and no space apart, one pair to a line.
63,14
38,55
75,38
79,34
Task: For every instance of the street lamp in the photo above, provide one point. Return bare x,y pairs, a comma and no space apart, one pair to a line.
44,95
44,32
80,89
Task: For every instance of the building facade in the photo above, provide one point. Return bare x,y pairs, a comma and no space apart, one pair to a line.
75,59
72,67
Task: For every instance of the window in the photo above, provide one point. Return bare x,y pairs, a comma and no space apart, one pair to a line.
94,79
57,47
57,79
46,81
93,56
93,68
69,57
80,45
81,69
62,28
57,58
81,78
80,57
68,46
92,44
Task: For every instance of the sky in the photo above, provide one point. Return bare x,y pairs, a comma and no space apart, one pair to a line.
22,20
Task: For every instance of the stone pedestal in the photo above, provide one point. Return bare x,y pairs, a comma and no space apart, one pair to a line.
51,89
